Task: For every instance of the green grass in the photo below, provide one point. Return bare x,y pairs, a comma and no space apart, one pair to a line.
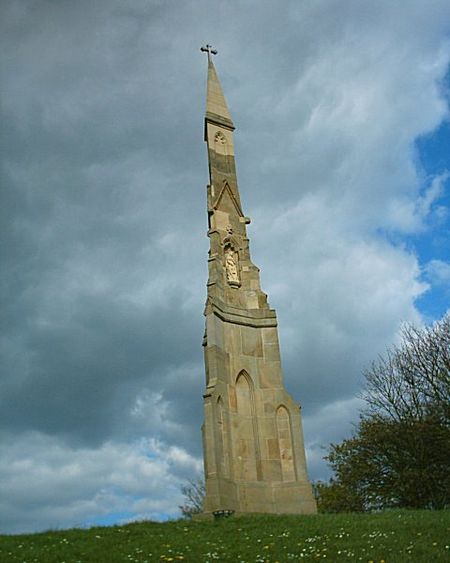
390,537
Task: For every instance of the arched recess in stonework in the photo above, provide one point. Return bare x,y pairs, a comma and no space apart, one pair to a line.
285,444
222,440
231,261
247,450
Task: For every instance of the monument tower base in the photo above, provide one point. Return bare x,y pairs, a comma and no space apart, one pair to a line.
253,445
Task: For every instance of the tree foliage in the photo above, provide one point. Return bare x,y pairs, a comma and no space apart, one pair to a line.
412,382
194,493
399,455
336,497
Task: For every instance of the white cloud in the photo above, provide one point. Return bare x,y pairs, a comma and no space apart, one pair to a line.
340,300
438,272
105,169
47,484
326,426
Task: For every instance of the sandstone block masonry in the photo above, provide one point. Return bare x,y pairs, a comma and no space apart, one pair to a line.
252,435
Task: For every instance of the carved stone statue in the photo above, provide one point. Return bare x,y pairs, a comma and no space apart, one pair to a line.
252,439
231,267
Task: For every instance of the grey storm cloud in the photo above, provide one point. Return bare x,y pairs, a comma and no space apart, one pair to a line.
103,225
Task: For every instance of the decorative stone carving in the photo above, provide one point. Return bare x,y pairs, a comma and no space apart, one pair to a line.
220,138
253,444
231,267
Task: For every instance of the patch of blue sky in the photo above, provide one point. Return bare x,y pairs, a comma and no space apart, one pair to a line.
125,517
432,246
111,519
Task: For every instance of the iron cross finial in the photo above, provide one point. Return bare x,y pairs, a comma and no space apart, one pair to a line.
208,49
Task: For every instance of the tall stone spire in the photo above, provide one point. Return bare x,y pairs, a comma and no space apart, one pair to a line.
216,106
252,438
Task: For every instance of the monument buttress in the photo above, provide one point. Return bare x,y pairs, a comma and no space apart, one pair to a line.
253,446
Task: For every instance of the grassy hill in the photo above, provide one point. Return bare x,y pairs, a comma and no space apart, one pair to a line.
388,537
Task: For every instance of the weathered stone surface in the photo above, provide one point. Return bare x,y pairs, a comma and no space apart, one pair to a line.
252,438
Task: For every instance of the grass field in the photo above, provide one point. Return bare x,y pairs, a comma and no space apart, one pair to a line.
389,537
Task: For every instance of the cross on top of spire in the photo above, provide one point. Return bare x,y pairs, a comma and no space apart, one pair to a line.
208,49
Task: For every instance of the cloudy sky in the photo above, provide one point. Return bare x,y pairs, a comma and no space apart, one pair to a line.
342,143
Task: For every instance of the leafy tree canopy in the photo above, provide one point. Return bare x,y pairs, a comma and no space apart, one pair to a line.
399,455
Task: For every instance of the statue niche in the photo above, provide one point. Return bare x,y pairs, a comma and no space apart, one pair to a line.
232,265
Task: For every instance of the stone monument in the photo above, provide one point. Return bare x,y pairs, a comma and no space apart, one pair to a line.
253,446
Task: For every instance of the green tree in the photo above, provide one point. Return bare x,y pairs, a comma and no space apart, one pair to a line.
194,495
399,455
336,497
412,381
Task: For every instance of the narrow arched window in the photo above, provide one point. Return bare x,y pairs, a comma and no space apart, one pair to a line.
247,450
285,444
222,440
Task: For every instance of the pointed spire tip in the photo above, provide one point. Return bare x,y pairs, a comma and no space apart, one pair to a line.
216,106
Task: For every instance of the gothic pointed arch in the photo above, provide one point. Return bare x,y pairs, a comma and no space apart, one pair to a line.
285,443
244,393
248,452
222,439
249,415
226,193
230,240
